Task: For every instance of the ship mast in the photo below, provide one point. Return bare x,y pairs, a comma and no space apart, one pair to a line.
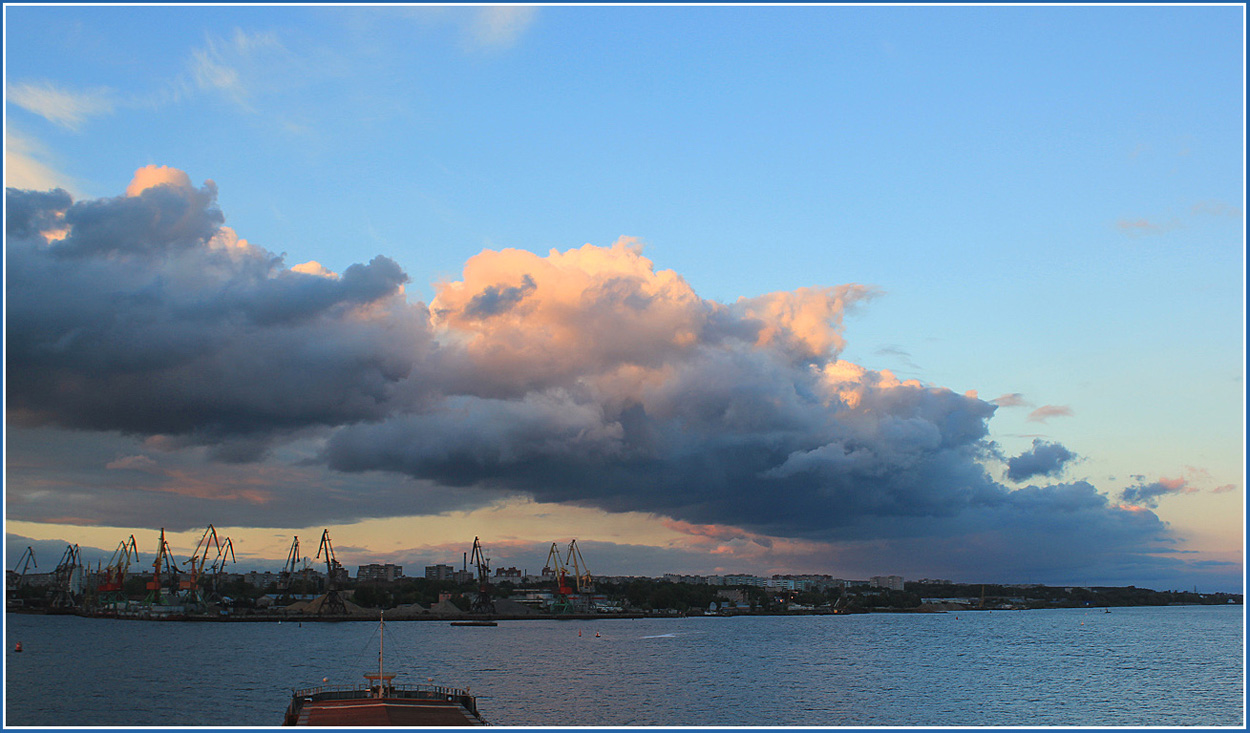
381,643
381,677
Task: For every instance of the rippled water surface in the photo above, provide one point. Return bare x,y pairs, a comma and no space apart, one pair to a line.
1134,666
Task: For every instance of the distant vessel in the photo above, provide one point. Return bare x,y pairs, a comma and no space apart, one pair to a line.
474,623
382,703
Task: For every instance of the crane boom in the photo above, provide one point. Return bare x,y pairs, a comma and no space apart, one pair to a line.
483,603
28,557
581,573
556,563
199,558
119,565
333,602
163,553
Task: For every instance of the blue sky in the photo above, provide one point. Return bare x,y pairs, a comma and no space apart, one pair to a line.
1047,201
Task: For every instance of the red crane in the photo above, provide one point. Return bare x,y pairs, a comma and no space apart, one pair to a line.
115,571
563,603
163,553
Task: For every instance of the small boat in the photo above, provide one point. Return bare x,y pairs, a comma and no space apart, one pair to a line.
381,702
474,623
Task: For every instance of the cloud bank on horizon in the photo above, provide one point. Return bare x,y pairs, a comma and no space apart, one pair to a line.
584,377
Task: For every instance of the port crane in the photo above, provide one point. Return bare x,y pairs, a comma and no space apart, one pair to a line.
482,603
190,587
555,564
111,588
164,559
333,602
286,577
67,579
26,559
218,568
581,574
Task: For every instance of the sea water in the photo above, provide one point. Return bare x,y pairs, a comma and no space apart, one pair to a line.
1173,666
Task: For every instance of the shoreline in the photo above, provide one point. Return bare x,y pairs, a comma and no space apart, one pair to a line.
451,618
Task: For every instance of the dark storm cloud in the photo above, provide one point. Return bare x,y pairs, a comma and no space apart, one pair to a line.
30,212
149,317
75,477
1043,459
158,220
584,377
287,296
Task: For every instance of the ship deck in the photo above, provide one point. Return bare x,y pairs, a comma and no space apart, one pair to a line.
398,706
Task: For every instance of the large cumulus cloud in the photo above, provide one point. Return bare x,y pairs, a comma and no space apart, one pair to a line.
144,314
585,377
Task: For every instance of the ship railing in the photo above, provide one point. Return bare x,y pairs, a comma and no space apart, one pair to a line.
331,692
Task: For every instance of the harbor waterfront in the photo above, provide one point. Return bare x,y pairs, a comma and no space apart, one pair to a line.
1167,666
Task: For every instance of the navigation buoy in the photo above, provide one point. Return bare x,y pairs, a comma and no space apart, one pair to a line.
579,632
596,634
17,647
325,679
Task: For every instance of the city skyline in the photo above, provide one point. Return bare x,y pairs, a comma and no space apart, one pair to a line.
934,291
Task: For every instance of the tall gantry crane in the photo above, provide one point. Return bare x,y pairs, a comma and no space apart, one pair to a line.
164,563
286,577
67,584
26,559
555,564
581,573
218,568
482,603
111,588
333,602
190,587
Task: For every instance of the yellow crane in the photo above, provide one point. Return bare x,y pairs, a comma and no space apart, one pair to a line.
581,573
555,564
199,560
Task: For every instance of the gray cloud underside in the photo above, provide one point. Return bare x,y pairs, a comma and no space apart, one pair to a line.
141,321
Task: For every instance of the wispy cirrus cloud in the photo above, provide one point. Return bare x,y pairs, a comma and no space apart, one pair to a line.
26,165
500,26
68,108
897,352
1145,227
1045,412
1013,399
1215,208
237,66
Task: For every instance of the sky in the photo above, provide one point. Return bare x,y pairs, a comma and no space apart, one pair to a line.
936,291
